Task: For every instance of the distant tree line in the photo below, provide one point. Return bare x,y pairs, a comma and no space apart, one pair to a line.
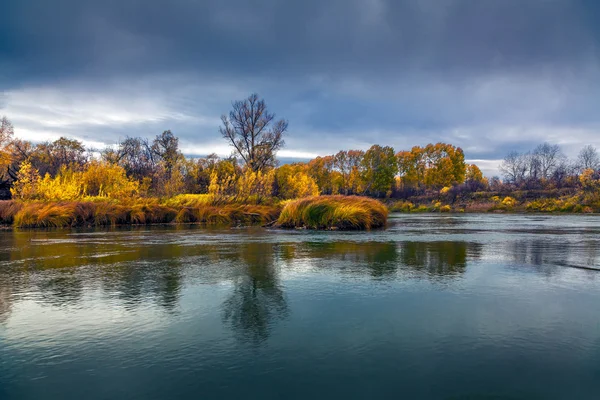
547,167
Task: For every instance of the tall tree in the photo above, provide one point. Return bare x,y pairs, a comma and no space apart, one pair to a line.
6,131
514,167
588,158
166,148
135,155
380,166
253,132
49,157
547,158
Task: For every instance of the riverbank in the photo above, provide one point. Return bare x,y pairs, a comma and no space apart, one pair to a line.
133,212
321,212
552,201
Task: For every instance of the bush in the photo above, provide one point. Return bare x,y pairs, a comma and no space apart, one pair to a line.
401,206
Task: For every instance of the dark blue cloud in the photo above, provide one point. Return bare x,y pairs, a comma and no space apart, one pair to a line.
344,72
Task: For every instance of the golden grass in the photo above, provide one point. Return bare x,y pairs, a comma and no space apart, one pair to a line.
334,212
133,212
8,210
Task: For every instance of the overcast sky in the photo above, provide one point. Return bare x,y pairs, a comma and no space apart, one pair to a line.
490,76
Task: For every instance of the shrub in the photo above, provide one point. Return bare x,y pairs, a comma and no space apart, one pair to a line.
401,206
509,202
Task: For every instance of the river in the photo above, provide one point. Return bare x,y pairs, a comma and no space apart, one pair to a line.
433,307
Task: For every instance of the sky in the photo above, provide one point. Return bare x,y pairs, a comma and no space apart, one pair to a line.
490,76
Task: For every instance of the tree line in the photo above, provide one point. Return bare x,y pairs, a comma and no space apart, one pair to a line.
64,169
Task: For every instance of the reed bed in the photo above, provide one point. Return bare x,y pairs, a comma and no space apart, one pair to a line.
334,212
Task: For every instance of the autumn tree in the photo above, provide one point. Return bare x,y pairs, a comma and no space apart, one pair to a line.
49,157
379,168
348,163
6,159
411,167
474,179
135,155
322,170
105,179
292,181
26,184
435,166
254,133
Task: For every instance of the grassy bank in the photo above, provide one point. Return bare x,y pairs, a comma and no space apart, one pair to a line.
325,212
99,212
334,212
518,201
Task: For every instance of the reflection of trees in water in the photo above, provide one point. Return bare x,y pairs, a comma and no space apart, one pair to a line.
381,258
63,268
5,300
384,258
64,289
438,258
549,257
257,300
167,284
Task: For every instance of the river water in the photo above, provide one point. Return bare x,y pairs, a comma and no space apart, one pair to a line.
433,307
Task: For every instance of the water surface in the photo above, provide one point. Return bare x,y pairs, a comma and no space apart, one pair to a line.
440,307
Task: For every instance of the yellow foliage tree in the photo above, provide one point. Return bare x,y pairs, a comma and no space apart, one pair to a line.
105,179
293,182
255,186
221,187
435,165
26,185
66,185
589,180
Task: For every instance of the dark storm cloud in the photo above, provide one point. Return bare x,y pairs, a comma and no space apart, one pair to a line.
46,40
490,76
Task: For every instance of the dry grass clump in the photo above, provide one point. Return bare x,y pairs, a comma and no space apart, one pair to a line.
135,212
8,210
46,215
228,214
334,212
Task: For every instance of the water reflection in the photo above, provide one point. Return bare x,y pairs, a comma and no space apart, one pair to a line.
439,259
149,267
5,301
379,259
65,289
549,258
257,300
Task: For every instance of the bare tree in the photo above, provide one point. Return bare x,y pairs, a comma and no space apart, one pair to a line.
514,167
548,157
254,134
6,131
166,149
135,155
588,158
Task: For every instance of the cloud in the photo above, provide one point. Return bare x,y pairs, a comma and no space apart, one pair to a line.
488,76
